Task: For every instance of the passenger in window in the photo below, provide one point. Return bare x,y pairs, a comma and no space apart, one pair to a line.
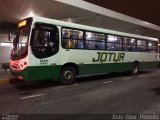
64,43
139,49
48,50
80,44
66,35
125,47
73,44
111,46
91,45
76,35
130,48
117,47
41,39
102,45
80,35
96,46
68,43
87,45
71,34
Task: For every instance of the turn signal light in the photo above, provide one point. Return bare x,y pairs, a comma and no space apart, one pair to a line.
25,63
20,77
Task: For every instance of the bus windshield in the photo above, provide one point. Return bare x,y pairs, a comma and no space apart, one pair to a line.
20,43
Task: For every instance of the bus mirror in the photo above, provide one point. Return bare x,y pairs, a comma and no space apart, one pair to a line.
9,36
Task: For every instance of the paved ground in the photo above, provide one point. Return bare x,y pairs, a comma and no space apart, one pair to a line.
105,94
4,77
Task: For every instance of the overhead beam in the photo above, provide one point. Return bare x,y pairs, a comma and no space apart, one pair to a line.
6,27
109,13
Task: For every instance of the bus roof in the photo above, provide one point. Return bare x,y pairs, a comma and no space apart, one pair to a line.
89,28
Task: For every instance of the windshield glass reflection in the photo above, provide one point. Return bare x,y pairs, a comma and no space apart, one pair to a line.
20,43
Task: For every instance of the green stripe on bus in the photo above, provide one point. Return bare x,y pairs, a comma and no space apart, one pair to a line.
44,72
53,72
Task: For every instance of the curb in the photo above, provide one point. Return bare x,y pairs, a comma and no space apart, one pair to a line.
4,81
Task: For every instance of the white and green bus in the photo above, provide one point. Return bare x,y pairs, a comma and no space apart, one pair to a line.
51,49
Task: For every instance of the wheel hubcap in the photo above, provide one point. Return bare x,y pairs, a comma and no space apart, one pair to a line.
135,69
68,75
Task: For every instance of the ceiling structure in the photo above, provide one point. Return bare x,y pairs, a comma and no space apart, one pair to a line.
78,11
147,10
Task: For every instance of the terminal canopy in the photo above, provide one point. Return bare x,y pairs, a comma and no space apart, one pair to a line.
77,11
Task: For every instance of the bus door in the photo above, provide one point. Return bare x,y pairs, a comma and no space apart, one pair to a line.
45,44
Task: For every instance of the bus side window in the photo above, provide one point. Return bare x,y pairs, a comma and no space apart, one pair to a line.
141,45
152,47
114,42
72,39
70,43
79,44
129,44
95,41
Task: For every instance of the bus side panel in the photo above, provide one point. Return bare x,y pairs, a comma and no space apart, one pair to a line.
44,72
113,67
97,62
148,65
103,68
25,74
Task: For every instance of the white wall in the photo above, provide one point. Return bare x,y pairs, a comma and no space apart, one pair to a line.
4,38
4,54
4,51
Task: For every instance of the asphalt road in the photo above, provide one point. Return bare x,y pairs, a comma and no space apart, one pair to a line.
104,94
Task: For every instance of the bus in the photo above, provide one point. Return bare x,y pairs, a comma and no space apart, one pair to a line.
51,49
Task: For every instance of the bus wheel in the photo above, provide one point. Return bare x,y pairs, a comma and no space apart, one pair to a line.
67,76
135,68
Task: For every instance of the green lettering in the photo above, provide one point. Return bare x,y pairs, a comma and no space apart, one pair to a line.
122,55
116,57
103,57
106,56
97,60
110,57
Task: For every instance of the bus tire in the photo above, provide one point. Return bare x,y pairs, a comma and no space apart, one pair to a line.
135,68
67,75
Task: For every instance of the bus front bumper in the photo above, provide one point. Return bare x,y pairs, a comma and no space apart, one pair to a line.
18,76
